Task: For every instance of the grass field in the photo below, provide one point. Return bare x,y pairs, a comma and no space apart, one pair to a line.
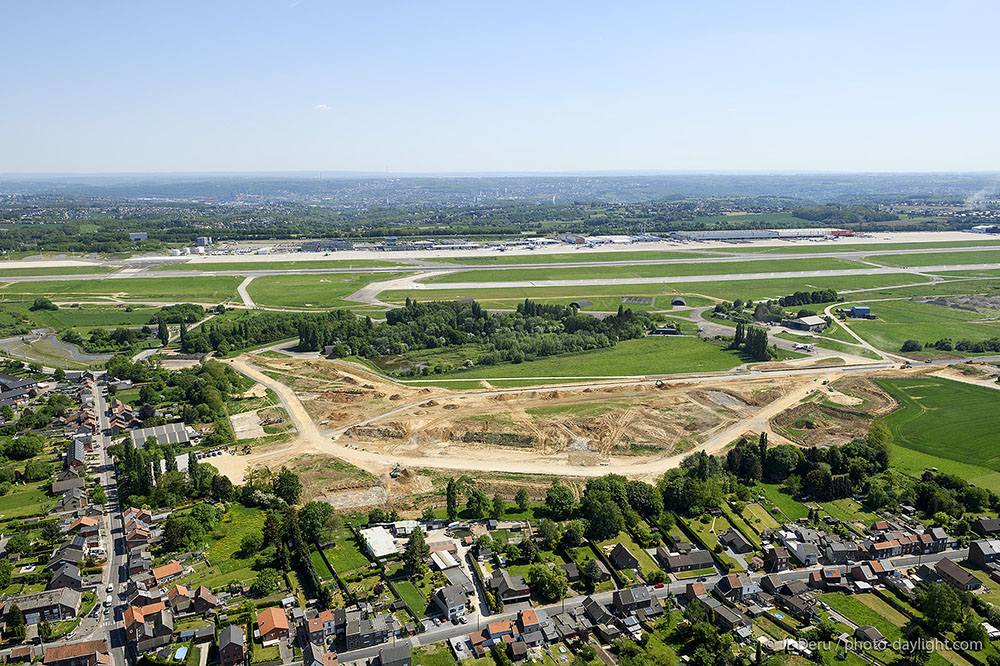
276,265
904,320
945,418
827,343
224,562
646,562
48,353
237,523
867,609
644,356
24,500
955,286
436,654
849,510
649,270
792,509
986,272
318,562
913,463
836,246
87,316
54,270
938,258
722,289
759,518
578,256
311,291
172,289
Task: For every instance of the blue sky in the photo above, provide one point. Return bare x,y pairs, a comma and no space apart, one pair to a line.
507,86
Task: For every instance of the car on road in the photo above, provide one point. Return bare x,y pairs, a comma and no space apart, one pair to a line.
111,588
658,586
464,620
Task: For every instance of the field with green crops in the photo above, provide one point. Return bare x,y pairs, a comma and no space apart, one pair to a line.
946,419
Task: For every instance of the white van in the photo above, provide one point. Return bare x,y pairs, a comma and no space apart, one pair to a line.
107,602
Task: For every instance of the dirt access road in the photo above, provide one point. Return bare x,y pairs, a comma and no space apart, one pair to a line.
310,439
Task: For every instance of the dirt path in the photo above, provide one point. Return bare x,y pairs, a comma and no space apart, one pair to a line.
309,439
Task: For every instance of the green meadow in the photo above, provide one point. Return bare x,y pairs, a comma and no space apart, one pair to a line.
229,266
171,289
721,289
903,320
649,270
311,291
938,258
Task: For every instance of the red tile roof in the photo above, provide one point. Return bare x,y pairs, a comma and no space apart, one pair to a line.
73,651
270,619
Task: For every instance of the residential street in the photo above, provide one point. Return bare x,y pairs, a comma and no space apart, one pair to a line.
447,631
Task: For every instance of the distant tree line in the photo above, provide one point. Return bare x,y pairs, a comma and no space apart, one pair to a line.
835,214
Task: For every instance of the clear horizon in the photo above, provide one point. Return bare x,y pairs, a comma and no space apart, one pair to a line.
523,89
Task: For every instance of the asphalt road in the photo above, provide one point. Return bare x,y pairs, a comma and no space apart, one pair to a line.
106,626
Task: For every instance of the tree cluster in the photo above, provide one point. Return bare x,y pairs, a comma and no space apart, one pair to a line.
533,331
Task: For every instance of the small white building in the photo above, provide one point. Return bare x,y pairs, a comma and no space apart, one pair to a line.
379,542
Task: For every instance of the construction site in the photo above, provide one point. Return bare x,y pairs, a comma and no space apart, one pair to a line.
360,439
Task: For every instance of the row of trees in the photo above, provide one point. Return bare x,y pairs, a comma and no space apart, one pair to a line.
809,298
947,345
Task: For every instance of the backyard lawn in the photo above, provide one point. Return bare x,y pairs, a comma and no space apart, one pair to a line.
435,654
791,508
411,595
343,553
27,499
759,518
646,562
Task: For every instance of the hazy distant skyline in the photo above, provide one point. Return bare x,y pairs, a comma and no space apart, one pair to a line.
312,85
